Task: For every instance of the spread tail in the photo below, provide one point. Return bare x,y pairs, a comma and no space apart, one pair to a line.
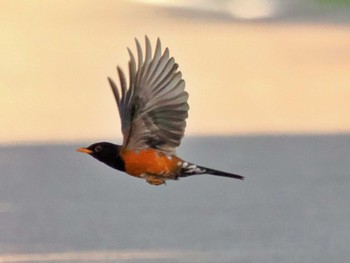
189,169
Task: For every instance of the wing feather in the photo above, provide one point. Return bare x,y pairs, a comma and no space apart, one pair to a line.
153,108
153,64
122,81
139,54
132,69
115,91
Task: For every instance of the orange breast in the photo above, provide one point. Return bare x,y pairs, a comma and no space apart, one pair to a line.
150,161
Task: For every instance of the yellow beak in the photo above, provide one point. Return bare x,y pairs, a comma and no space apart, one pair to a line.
84,150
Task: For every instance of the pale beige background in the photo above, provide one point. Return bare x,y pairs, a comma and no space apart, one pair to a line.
243,78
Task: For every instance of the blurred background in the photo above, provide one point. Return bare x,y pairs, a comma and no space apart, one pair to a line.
251,66
269,93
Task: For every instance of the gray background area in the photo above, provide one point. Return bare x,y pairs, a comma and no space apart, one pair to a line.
292,207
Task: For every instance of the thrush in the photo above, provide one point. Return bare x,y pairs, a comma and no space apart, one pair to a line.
153,109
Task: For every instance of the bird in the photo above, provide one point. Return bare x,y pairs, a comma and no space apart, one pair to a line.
153,108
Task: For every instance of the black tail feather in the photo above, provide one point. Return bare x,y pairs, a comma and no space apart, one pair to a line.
224,174
192,169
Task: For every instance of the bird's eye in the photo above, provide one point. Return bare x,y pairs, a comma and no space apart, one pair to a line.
98,148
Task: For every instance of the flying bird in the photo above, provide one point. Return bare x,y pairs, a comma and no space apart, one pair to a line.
153,110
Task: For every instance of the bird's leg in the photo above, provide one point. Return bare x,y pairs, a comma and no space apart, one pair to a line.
154,180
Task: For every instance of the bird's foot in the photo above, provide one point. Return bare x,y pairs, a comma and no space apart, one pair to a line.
155,180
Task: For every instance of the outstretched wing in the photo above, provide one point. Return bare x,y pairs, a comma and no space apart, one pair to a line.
154,107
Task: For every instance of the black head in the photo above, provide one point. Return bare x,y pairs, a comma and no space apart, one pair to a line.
107,153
